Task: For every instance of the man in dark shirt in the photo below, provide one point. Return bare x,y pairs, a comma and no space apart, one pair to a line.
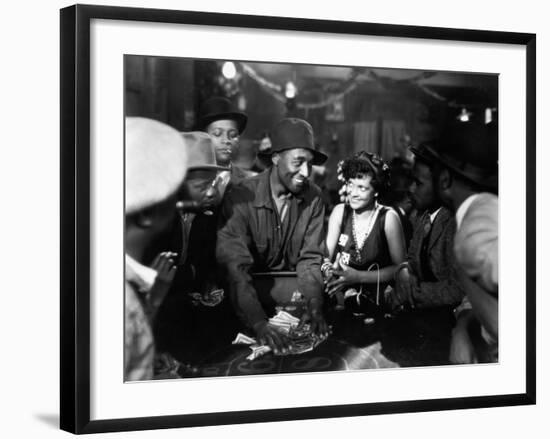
274,222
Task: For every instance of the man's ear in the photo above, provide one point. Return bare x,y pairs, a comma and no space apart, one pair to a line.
445,179
275,158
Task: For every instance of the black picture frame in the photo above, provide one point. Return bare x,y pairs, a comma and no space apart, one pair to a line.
75,217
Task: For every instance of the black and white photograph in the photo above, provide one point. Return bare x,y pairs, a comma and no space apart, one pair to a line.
284,218
295,216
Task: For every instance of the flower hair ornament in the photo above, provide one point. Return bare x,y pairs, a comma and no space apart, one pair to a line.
378,166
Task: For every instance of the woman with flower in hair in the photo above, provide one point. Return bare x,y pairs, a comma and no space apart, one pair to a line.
365,240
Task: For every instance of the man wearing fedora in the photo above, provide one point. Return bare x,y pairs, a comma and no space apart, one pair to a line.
428,278
224,123
274,222
192,319
156,164
467,182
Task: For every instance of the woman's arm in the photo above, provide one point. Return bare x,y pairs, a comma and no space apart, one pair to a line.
334,224
395,237
396,245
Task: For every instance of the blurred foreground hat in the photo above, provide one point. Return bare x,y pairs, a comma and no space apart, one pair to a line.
470,150
200,151
293,133
220,108
156,163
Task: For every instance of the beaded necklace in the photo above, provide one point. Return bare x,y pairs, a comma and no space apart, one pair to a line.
372,220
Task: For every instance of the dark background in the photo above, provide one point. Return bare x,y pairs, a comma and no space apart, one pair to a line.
380,110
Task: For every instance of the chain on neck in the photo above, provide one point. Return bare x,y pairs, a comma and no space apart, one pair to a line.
359,244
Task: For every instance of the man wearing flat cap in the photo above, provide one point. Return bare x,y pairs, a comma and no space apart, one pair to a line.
274,222
224,123
156,164
468,183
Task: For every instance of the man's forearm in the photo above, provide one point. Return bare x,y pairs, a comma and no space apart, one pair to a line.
310,281
245,299
439,293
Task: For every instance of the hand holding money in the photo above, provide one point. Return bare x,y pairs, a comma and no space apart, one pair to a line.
314,316
269,334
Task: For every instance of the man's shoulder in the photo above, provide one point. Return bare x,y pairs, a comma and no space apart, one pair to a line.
445,221
484,205
244,190
239,174
481,215
444,217
312,192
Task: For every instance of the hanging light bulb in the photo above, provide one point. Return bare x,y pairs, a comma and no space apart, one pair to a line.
229,70
290,90
464,115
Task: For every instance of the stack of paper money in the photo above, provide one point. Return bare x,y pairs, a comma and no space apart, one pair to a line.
301,338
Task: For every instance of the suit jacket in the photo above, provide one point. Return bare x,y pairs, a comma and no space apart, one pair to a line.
406,224
442,288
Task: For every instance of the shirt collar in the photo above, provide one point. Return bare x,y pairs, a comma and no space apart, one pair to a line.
263,197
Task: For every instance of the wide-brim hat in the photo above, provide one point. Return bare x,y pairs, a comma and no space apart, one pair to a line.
155,163
200,151
470,150
424,152
291,133
220,108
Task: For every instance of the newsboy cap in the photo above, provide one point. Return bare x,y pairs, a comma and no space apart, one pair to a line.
156,163
291,133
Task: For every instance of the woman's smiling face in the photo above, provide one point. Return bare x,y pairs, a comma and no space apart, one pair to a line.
360,192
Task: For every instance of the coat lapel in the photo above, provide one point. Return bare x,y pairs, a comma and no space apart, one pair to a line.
438,226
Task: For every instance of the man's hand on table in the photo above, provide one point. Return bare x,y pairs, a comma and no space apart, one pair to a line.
405,285
314,316
271,336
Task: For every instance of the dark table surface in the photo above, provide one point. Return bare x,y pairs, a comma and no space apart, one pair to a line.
202,337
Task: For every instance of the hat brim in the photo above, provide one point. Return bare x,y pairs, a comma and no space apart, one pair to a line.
319,158
423,155
208,168
481,177
240,118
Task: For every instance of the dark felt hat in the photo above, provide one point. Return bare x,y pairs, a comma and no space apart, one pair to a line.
469,150
291,133
220,108
424,152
